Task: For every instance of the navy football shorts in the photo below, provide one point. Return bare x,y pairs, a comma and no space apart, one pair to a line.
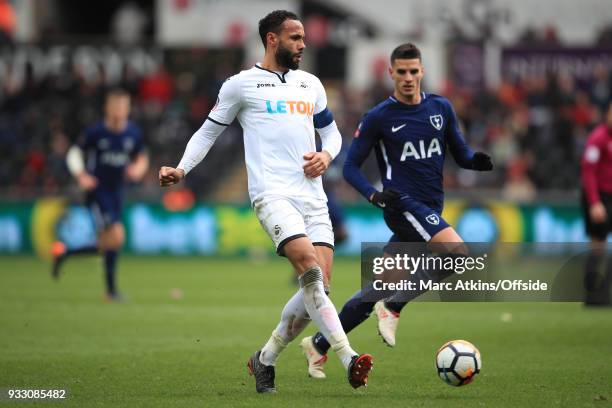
413,221
105,206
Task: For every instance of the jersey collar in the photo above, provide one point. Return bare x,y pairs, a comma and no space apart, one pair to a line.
423,98
280,76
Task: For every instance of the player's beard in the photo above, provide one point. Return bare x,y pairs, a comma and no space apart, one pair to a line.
285,58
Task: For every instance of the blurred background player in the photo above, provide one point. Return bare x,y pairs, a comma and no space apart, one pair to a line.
597,207
410,132
109,152
272,100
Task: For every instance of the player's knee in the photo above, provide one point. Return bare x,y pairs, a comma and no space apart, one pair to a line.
447,236
460,250
305,260
119,235
449,247
113,238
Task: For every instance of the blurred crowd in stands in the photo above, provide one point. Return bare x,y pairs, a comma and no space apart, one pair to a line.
533,129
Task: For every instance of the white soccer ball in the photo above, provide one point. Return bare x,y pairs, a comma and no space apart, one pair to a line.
458,362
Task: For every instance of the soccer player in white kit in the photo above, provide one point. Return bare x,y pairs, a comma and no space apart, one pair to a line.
279,107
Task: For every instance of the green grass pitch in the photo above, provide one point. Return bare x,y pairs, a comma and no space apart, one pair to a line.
157,351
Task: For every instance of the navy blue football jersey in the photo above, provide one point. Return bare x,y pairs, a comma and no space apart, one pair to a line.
410,143
108,153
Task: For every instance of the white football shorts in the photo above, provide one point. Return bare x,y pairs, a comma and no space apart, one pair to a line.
285,219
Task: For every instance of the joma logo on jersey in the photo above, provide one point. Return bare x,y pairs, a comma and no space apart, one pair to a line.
410,150
295,107
265,86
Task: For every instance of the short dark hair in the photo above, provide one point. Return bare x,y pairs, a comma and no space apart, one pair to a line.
273,21
117,92
406,51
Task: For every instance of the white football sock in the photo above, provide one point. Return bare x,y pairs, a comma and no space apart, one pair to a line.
294,319
322,311
269,352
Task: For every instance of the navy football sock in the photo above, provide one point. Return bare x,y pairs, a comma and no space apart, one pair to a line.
92,249
59,259
400,299
395,306
110,263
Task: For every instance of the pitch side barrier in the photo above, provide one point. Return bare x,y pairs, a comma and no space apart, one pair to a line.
482,272
31,226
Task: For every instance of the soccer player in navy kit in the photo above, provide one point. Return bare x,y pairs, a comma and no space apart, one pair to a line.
409,132
110,151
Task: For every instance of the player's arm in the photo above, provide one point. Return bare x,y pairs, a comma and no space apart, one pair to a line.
76,165
589,163
139,160
331,143
331,139
221,116
462,153
137,169
365,139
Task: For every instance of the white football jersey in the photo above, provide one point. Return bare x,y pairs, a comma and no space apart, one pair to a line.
276,113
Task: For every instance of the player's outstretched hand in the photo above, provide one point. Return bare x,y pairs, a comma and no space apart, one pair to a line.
482,162
169,176
316,163
388,198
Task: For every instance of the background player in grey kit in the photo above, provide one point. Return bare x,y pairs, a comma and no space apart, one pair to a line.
110,151
410,133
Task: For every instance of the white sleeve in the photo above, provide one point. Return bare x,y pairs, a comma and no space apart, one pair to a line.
199,145
222,115
331,139
75,161
228,102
